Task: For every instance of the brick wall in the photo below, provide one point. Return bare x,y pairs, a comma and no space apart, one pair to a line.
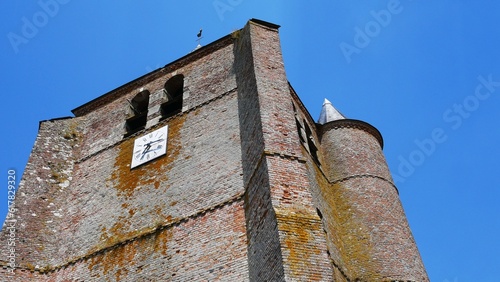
82,200
47,177
207,246
280,203
205,79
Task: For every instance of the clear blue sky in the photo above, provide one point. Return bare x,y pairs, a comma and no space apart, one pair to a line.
425,73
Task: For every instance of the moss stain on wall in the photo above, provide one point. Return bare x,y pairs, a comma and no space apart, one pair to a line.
349,234
127,182
297,228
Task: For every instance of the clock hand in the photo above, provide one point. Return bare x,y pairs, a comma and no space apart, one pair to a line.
146,149
149,150
154,150
152,142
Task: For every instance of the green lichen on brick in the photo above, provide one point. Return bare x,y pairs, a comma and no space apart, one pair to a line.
119,257
350,235
72,133
57,173
120,260
127,181
236,34
297,229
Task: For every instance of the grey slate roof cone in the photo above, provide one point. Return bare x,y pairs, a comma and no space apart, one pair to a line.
329,113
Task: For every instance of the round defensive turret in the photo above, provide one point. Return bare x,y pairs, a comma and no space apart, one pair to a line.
377,244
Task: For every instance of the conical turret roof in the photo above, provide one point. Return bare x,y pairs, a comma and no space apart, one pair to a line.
329,113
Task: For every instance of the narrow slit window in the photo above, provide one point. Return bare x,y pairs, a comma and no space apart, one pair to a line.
300,130
313,150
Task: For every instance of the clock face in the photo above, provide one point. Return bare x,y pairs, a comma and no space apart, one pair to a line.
150,146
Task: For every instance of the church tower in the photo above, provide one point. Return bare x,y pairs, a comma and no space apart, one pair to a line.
209,169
